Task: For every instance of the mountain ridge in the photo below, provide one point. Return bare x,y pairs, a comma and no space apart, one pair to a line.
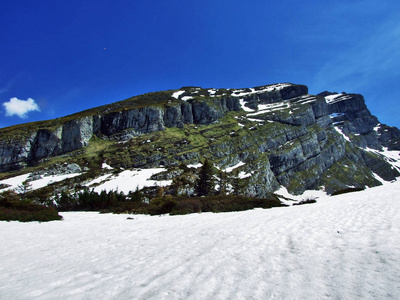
289,137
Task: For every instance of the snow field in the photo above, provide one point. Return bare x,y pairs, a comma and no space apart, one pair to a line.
343,247
125,181
14,182
128,180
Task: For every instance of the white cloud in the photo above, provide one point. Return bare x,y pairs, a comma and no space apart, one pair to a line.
20,107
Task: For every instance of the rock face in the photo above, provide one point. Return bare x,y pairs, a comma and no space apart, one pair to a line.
15,153
123,125
283,135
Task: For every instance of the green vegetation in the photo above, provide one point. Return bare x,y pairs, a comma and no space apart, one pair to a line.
222,203
345,173
137,203
304,179
205,184
347,190
211,203
91,201
306,201
172,145
13,208
192,190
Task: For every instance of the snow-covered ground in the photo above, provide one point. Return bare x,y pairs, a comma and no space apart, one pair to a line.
125,181
343,247
128,180
14,182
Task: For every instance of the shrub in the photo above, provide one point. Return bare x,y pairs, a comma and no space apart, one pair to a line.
127,207
89,200
187,206
14,209
221,203
160,206
226,203
65,202
306,201
136,196
42,196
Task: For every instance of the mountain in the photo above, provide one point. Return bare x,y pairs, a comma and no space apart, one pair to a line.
266,137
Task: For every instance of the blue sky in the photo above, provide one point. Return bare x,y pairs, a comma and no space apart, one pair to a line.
61,57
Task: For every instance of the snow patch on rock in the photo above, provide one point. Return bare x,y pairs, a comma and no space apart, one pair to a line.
129,180
177,94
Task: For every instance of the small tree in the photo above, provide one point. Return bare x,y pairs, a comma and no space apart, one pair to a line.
42,196
236,185
24,188
205,184
8,195
66,201
223,183
136,196
159,191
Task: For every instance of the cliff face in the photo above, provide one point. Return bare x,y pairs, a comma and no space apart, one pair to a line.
285,136
124,124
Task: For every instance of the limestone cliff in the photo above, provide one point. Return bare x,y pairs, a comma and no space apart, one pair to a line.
283,135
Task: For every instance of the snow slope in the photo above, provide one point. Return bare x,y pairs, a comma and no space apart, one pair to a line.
128,180
343,247
14,182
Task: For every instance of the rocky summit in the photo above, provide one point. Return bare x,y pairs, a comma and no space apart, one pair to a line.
265,137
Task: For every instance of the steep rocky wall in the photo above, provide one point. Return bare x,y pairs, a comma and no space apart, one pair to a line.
276,95
308,142
351,115
47,143
77,133
14,154
125,124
